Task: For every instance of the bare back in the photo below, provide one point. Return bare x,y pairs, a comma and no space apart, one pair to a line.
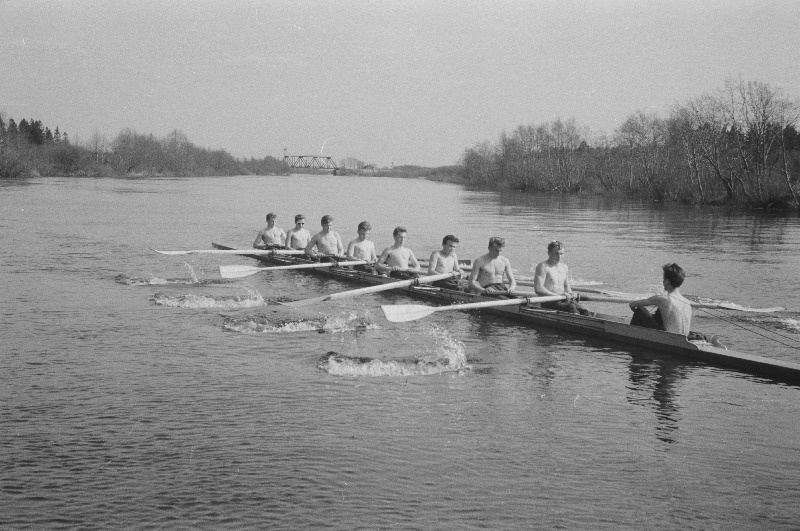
676,312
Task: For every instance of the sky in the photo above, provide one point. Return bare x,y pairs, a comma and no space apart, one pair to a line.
386,82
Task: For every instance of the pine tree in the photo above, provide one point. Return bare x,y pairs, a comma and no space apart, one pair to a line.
36,134
24,129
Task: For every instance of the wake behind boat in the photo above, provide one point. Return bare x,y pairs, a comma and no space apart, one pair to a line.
594,325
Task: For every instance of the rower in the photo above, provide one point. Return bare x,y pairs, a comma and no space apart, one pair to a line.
271,237
325,245
298,237
673,313
552,278
363,249
490,271
398,261
446,261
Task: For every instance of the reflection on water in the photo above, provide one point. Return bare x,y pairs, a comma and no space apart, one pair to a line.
654,383
710,229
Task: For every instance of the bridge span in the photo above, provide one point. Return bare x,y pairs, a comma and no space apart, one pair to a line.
311,161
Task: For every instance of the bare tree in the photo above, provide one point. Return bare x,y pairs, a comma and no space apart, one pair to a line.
98,145
759,113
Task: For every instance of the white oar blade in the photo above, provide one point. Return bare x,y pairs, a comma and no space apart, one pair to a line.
733,306
306,302
171,253
237,271
402,313
737,307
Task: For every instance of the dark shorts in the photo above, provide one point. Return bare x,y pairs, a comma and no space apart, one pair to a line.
565,306
403,275
328,258
449,283
499,291
642,317
366,268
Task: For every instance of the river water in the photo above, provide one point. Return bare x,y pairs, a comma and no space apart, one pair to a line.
142,391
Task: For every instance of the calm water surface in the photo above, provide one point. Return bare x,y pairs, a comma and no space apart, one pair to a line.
142,391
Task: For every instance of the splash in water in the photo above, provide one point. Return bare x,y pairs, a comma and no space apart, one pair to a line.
251,299
445,354
158,281
345,322
785,323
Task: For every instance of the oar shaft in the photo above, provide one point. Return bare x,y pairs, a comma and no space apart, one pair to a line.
312,265
257,252
238,271
699,305
500,302
389,286
371,289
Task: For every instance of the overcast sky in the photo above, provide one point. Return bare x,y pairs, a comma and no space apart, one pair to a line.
383,81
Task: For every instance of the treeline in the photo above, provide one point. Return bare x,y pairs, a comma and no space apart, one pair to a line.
29,148
440,173
739,146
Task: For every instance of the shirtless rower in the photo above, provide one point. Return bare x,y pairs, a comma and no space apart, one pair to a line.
552,278
326,244
446,261
674,312
298,236
271,237
398,261
363,249
490,271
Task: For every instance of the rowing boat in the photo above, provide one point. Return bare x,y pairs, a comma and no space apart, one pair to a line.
594,325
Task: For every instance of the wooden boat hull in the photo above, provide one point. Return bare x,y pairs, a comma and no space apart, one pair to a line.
595,325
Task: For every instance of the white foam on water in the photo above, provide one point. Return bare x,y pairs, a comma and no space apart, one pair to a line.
341,323
251,300
445,355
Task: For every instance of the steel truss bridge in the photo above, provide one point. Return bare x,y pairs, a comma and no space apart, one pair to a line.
310,161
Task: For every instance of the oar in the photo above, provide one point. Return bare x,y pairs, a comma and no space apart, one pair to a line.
233,251
736,307
711,305
401,313
605,297
532,284
238,271
372,289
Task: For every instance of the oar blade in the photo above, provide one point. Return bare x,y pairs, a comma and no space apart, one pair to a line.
171,253
402,313
740,308
237,271
306,302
